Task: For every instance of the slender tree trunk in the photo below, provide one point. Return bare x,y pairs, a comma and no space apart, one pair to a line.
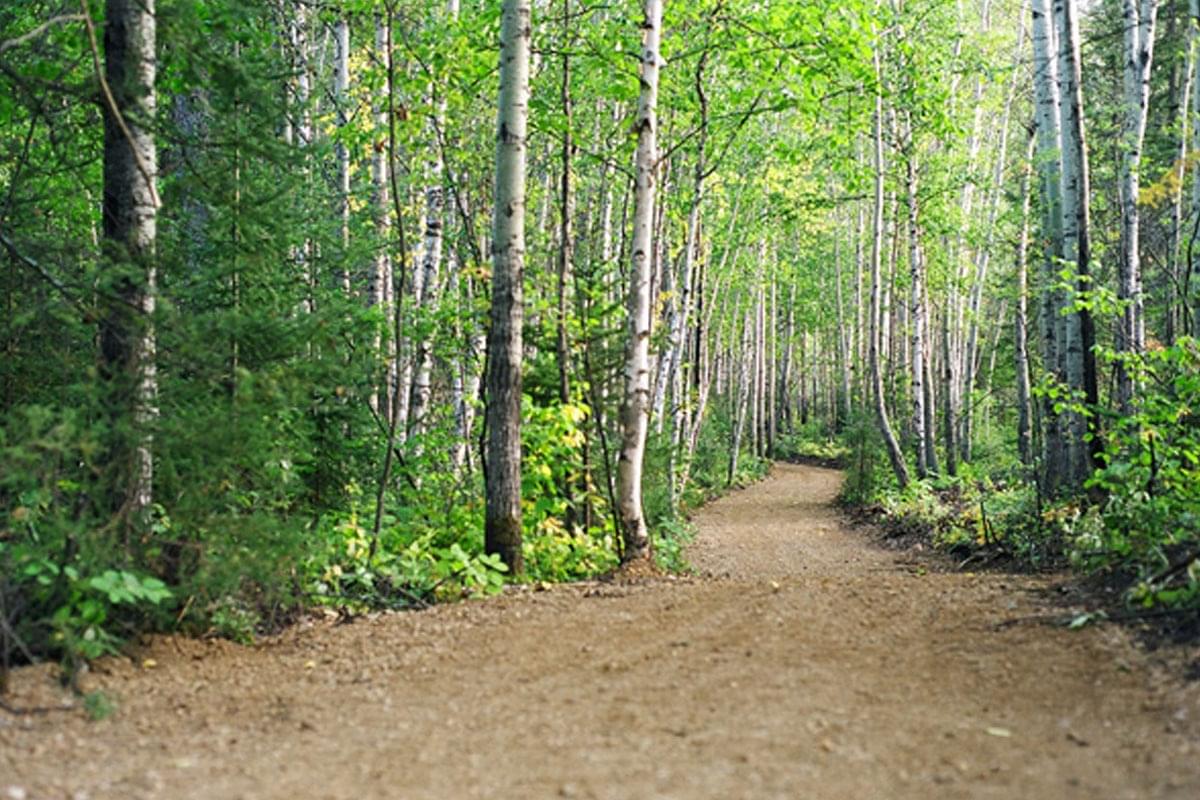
380,285
917,304
930,405
772,356
130,213
503,474
341,88
1173,322
949,418
430,267
1049,146
1020,329
1139,23
567,211
468,372
860,327
670,364
740,393
635,407
1080,333
304,139
843,336
786,372
760,365
889,438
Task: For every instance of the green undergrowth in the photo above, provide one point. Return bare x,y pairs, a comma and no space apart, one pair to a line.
814,443
1137,527
250,549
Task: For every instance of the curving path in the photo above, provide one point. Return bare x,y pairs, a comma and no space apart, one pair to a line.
806,664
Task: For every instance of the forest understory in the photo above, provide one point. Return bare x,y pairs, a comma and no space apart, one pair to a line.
803,660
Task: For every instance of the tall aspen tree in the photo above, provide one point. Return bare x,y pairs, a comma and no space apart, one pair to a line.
876,312
1049,146
502,524
1076,248
1139,23
433,245
1021,325
636,404
916,266
341,88
380,284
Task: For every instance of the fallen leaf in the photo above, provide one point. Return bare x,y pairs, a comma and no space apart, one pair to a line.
149,663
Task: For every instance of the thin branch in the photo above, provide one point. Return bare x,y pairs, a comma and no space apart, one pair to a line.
45,275
39,30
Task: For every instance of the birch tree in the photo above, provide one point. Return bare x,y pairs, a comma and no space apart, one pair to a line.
1079,339
1139,23
341,88
1048,155
502,531
635,407
895,456
1020,328
379,294
917,305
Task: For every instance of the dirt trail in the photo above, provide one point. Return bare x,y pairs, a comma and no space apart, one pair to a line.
806,664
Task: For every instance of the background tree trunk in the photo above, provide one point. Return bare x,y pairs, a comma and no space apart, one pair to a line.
1139,22
130,213
881,415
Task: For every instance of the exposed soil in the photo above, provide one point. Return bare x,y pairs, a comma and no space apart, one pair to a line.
805,663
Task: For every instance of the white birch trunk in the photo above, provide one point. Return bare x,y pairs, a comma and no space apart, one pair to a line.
1080,361
917,309
635,406
1139,22
843,336
341,88
741,400
430,267
380,288
1020,329
893,447
502,532
1049,155
1174,323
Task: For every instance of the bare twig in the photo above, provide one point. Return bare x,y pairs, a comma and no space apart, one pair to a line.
19,711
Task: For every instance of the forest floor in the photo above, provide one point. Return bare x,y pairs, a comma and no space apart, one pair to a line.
805,661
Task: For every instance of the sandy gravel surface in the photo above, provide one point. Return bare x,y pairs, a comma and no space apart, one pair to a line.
803,662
